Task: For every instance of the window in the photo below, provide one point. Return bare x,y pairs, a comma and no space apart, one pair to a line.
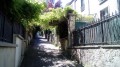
104,13
82,5
102,1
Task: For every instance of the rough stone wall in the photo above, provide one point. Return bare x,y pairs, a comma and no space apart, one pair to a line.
99,57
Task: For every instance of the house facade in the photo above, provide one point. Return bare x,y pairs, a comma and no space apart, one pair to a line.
74,4
99,8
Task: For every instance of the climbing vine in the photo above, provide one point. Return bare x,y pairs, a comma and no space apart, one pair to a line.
22,11
32,13
55,16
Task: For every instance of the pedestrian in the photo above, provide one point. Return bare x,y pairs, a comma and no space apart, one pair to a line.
46,33
42,33
49,33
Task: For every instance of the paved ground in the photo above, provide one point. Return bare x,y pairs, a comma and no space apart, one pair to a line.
43,54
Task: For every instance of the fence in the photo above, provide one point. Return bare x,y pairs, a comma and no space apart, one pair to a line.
7,29
100,32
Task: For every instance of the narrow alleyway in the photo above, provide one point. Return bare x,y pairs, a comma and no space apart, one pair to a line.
43,54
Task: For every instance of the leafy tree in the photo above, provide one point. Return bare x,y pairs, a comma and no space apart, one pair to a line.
22,11
32,13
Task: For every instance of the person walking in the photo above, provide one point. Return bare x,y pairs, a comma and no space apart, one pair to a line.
46,33
49,33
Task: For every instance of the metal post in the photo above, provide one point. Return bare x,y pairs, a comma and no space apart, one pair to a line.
102,32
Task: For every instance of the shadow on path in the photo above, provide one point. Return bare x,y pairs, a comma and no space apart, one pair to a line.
44,54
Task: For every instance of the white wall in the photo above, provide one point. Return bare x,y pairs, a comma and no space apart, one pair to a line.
78,6
95,8
92,8
18,51
7,54
12,54
112,7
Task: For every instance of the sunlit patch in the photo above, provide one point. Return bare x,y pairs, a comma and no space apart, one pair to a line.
43,40
49,46
63,63
50,55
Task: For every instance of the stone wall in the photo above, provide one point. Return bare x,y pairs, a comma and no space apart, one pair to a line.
99,57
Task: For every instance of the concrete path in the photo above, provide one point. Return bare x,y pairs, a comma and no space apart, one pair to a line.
44,54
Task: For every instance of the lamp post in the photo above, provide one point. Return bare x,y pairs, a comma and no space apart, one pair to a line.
71,27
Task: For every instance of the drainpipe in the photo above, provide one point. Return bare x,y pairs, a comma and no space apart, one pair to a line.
88,7
75,4
118,4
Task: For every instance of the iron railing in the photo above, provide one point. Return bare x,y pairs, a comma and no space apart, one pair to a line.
105,31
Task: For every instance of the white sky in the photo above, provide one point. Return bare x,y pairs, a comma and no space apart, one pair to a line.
64,2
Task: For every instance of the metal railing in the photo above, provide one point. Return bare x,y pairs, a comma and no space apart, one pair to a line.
101,32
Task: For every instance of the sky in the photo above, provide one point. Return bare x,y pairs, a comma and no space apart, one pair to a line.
64,2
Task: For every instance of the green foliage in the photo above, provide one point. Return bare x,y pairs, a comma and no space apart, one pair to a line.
55,16
59,17
31,13
23,11
88,18
11,9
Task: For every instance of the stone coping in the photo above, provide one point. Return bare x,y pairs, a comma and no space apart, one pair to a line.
96,47
17,35
5,44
